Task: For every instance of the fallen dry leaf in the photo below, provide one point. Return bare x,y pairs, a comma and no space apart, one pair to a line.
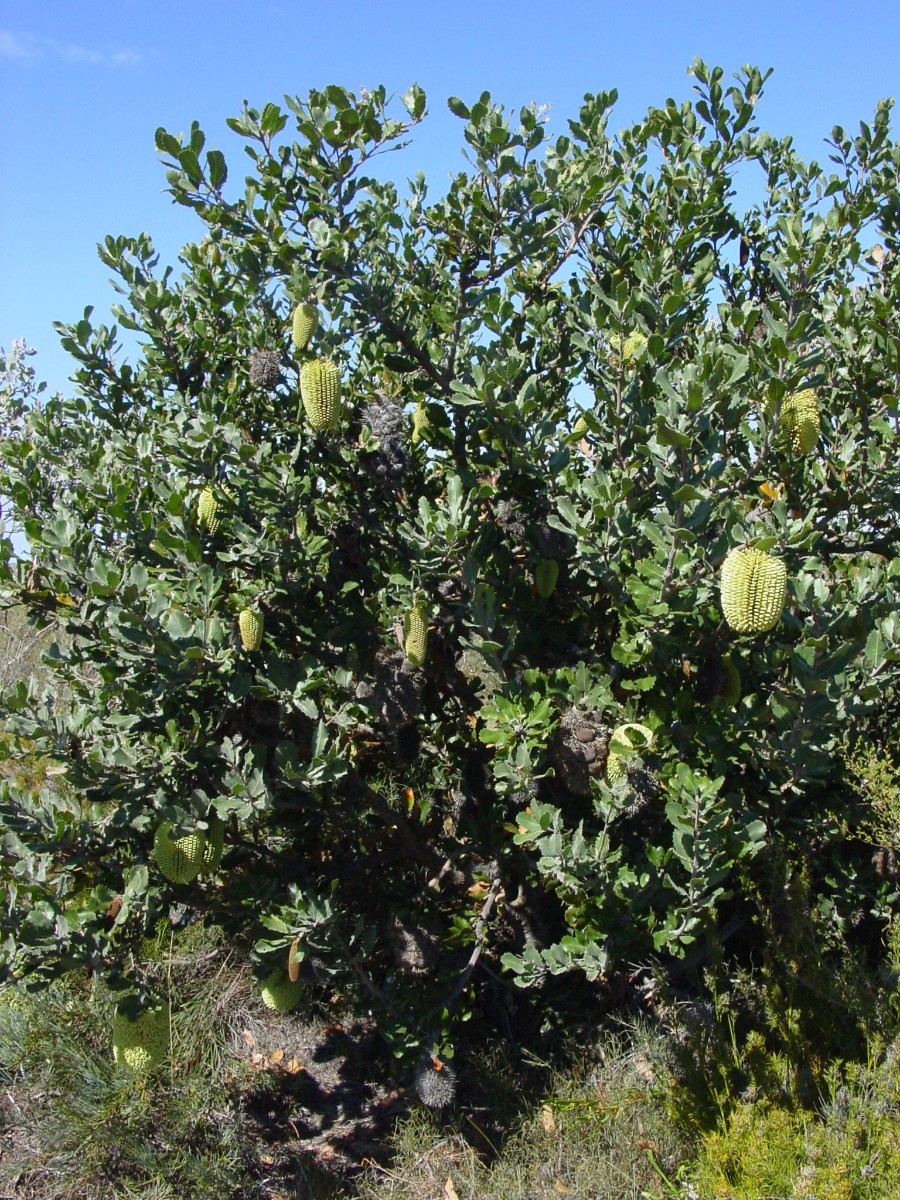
449,1190
547,1119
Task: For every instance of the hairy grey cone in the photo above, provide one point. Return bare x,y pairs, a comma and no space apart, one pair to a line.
510,520
553,543
434,1081
389,463
265,369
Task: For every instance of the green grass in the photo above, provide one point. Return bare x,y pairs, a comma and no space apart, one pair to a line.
701,1103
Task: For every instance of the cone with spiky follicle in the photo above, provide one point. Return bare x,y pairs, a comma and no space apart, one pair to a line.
801,420
180,859
250,625
635,738
415,634
279,993
580,747
304,324
140,1037
435,1081
753,590
320,390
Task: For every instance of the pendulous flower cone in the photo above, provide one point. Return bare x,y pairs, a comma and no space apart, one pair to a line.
320,391
304,324
279,993
632,734
179,859
415,634
250,624
546,574
141,1043
753,589
802,422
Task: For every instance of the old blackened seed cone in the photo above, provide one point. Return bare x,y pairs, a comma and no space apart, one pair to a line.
320,390
754,590
265,369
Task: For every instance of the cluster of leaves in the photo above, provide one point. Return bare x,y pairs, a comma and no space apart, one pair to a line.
400,828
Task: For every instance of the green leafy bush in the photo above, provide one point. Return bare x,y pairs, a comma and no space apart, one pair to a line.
410,767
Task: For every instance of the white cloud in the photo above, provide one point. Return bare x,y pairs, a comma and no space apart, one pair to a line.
23,48
16,47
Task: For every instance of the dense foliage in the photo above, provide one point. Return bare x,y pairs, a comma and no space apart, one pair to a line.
482,708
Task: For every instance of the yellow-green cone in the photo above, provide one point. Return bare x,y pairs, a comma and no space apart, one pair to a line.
638,737
415,634
320,390
632,348
546,574
215,846
179,859
141,1043
730,691
580,428
304,325
420,423
279,993
250,624
209,514
754,590
802,423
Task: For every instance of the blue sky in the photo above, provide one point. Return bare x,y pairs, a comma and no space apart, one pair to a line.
83,86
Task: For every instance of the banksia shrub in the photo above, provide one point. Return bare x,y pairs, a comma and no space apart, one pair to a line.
250,624
140,1037
415,634
546,574
802,423
265,369
434,1081
304,325
279,993
754,590
636,737
179,859
320,390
